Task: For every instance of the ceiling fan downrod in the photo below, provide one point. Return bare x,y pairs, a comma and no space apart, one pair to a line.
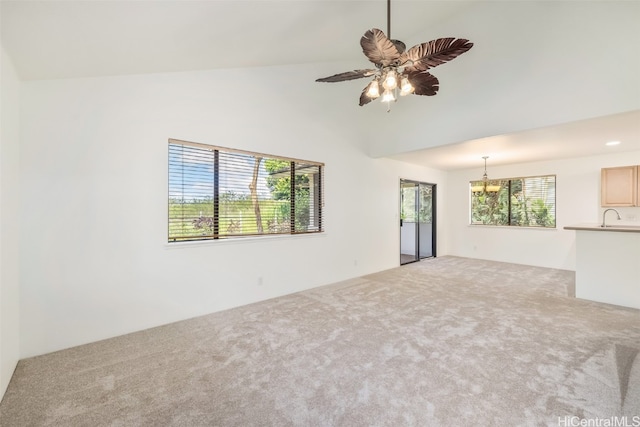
389,19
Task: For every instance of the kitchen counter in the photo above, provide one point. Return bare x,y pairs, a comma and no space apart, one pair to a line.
608,263
612,227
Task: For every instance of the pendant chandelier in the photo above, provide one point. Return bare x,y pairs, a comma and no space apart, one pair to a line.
485,187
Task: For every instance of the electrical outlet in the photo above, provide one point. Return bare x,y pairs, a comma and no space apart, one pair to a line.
259,280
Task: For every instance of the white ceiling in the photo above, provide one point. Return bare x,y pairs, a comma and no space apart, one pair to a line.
80,38
575,139
54,39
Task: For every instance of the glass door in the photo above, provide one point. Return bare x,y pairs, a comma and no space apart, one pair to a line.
408,215
417,221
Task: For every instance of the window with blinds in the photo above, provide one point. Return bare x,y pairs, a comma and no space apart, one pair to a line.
519,202
222,193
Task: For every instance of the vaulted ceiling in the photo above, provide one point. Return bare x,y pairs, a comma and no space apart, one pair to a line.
63,39
536,65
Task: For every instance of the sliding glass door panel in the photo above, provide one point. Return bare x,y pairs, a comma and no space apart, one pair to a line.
425,220
408,226
417,207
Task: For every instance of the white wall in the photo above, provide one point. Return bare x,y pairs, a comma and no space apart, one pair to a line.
9,220
577,199
95,262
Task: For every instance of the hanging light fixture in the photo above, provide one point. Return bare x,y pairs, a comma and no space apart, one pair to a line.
485,187
400,71
387,77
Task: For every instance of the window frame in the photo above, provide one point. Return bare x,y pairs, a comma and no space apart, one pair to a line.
317,196
509,213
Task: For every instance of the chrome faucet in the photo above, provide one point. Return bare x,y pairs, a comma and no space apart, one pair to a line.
605,213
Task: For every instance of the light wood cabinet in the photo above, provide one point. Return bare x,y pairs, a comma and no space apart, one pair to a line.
620,186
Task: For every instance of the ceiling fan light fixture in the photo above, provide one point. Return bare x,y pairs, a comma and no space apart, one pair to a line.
405,87
387,96
390,80
374,90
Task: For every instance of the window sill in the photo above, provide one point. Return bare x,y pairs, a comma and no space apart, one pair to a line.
513,227
241,240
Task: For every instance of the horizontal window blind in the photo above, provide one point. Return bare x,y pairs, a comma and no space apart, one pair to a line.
221,193
519,202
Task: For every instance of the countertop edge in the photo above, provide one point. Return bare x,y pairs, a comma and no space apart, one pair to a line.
597,227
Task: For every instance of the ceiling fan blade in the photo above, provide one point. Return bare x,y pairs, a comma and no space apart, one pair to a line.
431,54
378,48
348,75
364,98
400,46
423,83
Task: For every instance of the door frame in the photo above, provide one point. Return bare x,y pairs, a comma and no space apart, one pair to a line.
433,219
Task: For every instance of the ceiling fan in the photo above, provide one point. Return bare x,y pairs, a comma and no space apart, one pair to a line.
398,69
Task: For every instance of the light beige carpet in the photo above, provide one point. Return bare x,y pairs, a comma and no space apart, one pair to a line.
443,342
